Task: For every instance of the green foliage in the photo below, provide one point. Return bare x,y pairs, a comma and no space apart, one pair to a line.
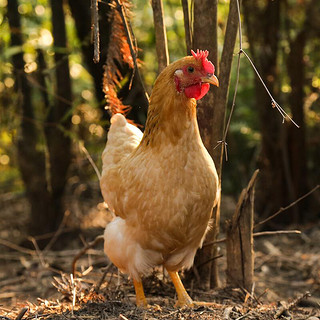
244,135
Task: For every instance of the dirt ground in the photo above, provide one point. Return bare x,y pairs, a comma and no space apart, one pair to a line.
37,284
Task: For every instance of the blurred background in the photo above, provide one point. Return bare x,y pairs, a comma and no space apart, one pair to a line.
53,120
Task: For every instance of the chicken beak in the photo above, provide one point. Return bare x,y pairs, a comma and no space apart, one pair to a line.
211,79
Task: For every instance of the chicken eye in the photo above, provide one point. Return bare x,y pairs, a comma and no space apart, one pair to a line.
190,69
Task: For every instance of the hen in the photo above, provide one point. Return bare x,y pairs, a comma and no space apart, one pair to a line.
161,185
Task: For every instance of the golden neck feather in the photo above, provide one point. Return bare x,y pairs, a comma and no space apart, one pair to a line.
170,113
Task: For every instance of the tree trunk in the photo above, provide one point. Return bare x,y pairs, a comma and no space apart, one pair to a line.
161,35
263,33
240,253
30,159
205,38
212,110
58,140
296,137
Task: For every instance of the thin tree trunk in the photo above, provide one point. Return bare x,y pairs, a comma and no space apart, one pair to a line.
161,35
212,110
31,161
187,28
263,24
58,140
205,38
221,101
296,137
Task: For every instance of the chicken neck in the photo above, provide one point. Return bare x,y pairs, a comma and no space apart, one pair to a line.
170,114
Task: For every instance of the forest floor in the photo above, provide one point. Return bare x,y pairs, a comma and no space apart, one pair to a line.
37,284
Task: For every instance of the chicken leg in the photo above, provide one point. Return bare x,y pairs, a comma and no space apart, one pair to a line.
183,297
141,300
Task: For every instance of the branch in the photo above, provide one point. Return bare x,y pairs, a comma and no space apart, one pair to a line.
186,20
288,207
95,31
160,33
84,250
224,78
130,37
258,234
273,101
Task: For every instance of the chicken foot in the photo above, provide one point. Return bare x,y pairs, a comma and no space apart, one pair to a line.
141,300
183,297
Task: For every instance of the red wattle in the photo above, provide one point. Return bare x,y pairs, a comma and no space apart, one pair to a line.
197,91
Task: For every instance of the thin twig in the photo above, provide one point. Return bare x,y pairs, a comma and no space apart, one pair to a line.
95,30
39,252
130,36
209,260
85,151
224,140
84,250
294,303
73,293
288,207
258,234
15,247
274,103
58,232
103,277
22,313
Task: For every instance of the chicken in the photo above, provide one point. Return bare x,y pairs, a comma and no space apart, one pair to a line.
161,185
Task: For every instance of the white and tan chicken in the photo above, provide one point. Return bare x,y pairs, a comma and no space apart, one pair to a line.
161,185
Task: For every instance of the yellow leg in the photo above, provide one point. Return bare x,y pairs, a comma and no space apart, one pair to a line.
141,300
183,297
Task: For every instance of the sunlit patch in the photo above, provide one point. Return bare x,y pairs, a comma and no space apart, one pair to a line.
86,94
76,119
96,130
315,82
178,14
75,70
46,38
286,88
3,3
4,159
22,8
30,67
8,82
40,10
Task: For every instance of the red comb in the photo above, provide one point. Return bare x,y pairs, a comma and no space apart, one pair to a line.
207,65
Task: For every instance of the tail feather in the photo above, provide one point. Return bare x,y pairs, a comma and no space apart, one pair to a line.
119,55
123,139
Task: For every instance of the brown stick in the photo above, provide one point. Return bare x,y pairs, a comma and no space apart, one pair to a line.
186,19
130,37
240,260
17,248
160,33
95,31
83,251
288,207
259,234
